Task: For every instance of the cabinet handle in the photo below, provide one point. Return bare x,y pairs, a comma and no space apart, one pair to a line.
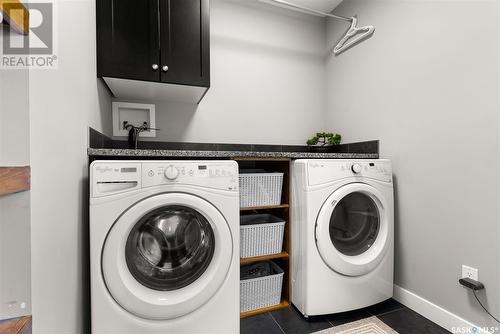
165,68
155,67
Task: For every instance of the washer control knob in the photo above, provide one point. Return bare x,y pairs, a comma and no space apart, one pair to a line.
171,173
356,168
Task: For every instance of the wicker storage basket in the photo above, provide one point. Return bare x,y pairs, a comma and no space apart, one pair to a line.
261,234
256,293
260,189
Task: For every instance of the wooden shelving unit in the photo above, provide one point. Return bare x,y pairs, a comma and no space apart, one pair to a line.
267,207
16,326
265,257
283,211
283,304
17,15
14,179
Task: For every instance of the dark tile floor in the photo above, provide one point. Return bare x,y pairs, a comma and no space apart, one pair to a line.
290,321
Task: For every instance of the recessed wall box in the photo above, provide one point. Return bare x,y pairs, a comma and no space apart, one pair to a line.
133,113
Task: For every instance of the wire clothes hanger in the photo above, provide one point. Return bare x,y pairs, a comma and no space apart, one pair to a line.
354,34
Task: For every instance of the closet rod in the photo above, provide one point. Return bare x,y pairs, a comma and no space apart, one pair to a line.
310,10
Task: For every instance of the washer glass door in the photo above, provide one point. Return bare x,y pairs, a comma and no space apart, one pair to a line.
170,247
352,229
167,255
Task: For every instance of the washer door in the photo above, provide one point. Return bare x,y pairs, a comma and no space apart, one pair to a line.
166,256
352,229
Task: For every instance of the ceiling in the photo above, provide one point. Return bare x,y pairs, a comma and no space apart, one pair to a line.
321,5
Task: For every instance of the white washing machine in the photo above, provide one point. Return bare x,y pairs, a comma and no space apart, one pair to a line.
164,238
342,235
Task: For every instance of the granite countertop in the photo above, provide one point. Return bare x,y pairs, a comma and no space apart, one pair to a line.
116,152
103,147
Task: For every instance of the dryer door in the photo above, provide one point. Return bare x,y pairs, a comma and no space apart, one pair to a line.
166,256
352,229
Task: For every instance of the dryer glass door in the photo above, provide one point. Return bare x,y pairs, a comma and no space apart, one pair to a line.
167,255
352,229
354,224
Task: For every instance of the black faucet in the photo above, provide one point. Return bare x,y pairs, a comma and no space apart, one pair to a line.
133,133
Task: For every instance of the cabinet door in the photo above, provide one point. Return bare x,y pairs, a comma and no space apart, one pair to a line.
185,42
128,39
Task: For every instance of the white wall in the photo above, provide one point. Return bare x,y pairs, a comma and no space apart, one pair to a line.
63,104
15,264
266,87
15,285
427,85
432,99
14,118
267,79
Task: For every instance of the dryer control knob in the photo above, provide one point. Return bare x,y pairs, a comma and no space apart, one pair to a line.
356,168
171,172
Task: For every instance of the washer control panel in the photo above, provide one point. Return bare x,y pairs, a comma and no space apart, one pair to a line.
109,178
221,175
324,171
172,173
356,168
112,177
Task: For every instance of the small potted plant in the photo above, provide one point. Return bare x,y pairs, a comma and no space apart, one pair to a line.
323,141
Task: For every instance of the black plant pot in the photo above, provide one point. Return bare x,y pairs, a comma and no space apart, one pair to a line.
323,149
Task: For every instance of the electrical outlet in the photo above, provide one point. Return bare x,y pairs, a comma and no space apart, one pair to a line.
469,272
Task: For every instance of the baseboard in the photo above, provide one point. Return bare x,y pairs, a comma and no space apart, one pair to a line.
435,313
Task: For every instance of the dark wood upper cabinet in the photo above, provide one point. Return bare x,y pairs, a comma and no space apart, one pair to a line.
185,49
162,42
128,41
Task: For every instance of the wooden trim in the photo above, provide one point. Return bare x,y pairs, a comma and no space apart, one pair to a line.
264,258
14,179
16,326
266,207
283,304
16,14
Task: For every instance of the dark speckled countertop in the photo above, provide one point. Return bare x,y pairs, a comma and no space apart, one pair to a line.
102,147
93,152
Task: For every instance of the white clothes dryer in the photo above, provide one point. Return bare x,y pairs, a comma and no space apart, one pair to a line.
342,235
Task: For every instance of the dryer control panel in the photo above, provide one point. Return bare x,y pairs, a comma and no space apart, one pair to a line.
325,171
